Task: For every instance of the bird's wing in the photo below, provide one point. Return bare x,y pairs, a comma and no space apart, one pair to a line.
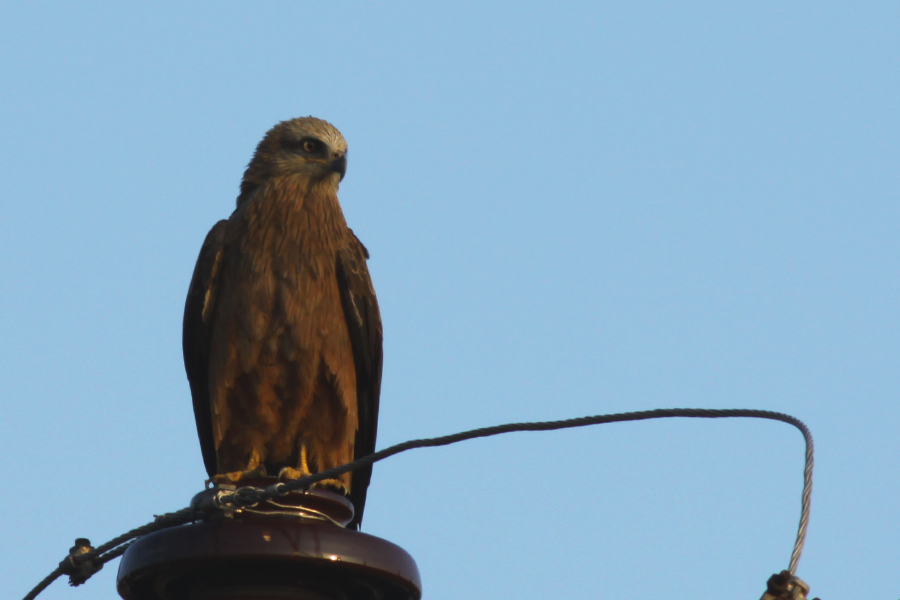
198,310
364,325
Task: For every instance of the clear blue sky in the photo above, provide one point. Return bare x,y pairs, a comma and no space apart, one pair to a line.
571,209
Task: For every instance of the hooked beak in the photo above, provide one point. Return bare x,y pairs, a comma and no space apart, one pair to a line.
339,165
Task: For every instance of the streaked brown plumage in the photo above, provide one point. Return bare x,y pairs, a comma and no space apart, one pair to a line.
282,334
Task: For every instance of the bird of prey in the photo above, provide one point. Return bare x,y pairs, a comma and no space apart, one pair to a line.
282,333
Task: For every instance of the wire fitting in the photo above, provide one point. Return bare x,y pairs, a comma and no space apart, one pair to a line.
81,570
784,586
277,490
223,500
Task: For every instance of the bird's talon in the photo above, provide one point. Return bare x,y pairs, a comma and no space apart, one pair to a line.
332,485
236,476
288,473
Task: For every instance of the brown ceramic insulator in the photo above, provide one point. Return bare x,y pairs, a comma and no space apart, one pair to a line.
262,557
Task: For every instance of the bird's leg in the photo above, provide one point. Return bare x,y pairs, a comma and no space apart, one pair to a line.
255,469
327,484
303,471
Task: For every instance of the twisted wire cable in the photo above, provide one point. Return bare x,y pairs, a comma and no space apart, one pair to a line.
249,496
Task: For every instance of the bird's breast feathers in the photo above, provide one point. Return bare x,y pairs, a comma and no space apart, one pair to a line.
279,326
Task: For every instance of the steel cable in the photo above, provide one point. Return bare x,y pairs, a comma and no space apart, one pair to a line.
249,496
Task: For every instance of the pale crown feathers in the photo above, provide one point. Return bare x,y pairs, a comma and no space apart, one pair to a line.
306,146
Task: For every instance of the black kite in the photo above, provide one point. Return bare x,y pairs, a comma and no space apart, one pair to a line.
282,333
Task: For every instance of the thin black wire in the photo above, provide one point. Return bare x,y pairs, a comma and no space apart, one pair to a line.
114,548
249,496
44,584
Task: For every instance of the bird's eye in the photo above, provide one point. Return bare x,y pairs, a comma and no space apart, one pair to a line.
308,145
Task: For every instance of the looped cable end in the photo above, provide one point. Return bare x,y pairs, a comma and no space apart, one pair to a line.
79,571
784,586
247,497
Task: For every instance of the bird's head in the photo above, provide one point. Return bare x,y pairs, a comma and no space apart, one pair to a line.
307,147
